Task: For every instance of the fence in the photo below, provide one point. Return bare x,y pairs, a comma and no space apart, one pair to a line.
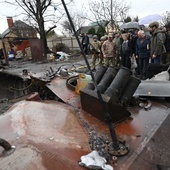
70,42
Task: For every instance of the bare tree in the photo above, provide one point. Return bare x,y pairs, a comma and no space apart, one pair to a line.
136,19
166,18
128,19
78,21
67,27
42,15
113,11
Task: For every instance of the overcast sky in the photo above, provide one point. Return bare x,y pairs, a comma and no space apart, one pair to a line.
138,8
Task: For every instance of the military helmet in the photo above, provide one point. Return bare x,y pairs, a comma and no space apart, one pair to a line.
95,37
110,35
116,32
155,23
103,38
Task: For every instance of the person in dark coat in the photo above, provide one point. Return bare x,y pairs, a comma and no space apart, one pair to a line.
85,43
133,38
143,53
157,48
167,43
117,41
126,51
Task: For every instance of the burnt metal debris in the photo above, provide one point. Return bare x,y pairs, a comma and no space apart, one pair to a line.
104,108
117,88
135,131
8,148
111,87
152,88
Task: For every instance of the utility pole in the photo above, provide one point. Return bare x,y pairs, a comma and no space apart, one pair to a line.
5,53
111,7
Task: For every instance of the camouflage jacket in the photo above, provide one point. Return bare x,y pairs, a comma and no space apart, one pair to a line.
95,46
109,49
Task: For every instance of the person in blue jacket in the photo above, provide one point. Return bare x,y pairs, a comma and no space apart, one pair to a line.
143,53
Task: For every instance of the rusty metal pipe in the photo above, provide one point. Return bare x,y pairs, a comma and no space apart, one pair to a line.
5,144
98,76
129,90
107,79
119,83
99,73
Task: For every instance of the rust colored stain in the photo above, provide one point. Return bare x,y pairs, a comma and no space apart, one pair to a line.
137,131
58,86
47,135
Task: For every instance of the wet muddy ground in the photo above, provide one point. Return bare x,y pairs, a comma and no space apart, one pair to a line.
5,105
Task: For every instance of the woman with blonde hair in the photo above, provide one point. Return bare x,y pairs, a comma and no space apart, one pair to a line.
143,53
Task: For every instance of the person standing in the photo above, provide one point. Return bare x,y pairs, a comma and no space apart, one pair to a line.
85,43
133,38
95,49
126,51
109,52
143,54
102,40
157,47
118,41
167,43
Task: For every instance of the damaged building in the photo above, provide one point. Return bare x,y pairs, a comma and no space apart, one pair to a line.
20,39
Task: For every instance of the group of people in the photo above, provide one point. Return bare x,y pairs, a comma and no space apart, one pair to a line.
118,49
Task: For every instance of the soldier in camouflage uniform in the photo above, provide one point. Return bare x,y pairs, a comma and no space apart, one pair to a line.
102,40
95,49
109,52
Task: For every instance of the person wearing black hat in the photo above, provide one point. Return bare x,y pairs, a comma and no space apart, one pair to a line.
157,47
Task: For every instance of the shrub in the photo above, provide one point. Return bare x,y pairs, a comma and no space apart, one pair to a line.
61,47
